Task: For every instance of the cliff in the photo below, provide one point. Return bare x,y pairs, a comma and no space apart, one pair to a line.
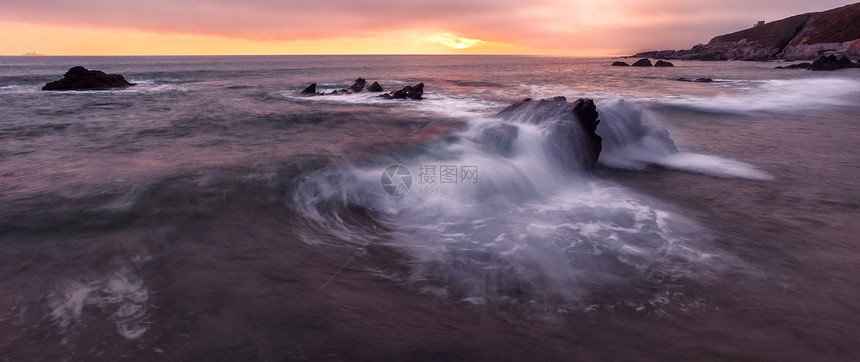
805,36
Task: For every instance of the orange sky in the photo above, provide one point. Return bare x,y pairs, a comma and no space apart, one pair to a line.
196,27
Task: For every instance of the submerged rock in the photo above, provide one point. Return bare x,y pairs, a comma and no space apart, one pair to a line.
572,126
81,78
499,138
644,62
663,63
620,64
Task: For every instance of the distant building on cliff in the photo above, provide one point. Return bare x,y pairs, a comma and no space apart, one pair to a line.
759,23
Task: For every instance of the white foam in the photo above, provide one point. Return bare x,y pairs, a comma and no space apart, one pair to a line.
535,227
712,165
121,293
634,138
778,96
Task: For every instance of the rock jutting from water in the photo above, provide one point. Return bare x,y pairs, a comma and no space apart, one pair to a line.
620,64
78,78
697,80
375,87
663,63
644,62
572,125
358,86
311,89
408,92
830,62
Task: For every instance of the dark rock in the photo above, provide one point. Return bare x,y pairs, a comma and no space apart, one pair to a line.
620,64
516,105
844,62
663,63
831,62
572,126
698,80
311,89
825,63
358,85
375,87
644,62
81,78
410,92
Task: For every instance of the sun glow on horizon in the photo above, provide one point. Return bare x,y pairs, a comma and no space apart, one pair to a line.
56,40
455,42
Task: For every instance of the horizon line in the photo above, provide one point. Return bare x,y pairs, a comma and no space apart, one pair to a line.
312,54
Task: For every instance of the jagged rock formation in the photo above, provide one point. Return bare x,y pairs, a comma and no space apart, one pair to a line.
408,92
805,36
644,62
81,78
375,87
663,63
311,89
358,85
620,64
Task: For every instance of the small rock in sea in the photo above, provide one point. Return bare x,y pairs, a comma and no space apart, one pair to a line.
81,78
375,87
620,64
358,85
411,92
796,66
698,80
663,63
311,89
644,62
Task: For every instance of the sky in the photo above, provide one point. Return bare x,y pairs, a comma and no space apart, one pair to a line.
548,27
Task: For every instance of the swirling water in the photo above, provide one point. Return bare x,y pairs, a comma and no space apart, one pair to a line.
211,212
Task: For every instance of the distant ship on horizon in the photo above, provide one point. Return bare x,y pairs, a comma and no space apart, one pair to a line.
33,53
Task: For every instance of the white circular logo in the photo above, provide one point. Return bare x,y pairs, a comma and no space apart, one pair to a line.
396,180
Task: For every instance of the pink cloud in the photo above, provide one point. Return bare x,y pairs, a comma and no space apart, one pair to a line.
542,24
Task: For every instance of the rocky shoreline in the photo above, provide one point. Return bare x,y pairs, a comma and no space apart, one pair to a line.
800,37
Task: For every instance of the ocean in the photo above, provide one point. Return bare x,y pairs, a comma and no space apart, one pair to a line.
211,212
